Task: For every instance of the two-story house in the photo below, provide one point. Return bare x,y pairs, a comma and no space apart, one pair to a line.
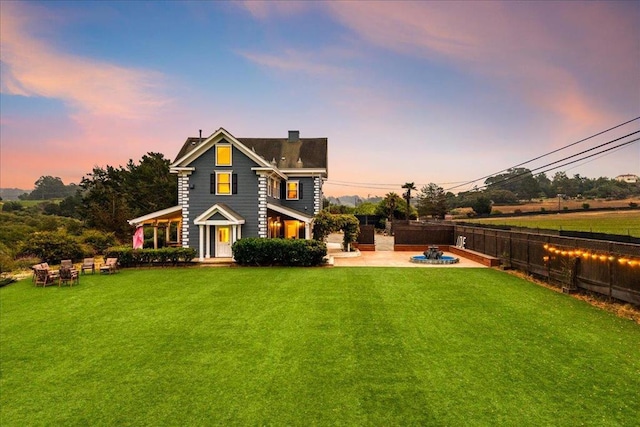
229,188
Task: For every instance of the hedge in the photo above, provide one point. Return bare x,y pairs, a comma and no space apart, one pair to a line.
288,252
129,257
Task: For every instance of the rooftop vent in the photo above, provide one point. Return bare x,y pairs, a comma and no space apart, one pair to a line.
294,135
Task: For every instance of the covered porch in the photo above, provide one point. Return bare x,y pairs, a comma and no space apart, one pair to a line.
226,226
170,220
287,223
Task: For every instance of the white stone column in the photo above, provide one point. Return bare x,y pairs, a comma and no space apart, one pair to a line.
317,195
262,206
183,201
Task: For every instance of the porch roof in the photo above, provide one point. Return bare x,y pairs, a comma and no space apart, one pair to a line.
171,214
231,216
291,212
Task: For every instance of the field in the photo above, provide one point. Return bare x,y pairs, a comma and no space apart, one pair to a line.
611,222
553,205
322,346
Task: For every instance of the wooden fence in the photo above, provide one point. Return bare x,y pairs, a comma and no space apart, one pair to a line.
606,267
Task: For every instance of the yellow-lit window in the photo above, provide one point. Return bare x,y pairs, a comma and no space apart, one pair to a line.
223,155
223,235
292,190
223,183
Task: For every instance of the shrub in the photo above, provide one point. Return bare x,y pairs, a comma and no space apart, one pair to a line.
586,206
633,205
129,257
12,206
288,252
52,246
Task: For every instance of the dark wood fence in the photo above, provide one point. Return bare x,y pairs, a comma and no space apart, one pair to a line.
603,266
606,267
409,237
366,238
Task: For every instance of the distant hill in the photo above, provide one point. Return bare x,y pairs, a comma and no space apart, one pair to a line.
12,193
352,201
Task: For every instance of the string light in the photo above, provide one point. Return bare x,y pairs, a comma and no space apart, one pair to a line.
577,253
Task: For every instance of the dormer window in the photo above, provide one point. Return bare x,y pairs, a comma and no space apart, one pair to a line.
223,155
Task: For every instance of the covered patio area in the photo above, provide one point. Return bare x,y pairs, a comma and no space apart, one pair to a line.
170,220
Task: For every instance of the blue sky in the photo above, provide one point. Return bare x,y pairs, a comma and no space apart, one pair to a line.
420,92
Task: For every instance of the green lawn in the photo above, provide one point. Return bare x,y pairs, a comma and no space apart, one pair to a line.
324,346
614,222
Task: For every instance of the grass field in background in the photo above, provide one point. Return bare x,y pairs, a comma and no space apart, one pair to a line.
322,346
611,222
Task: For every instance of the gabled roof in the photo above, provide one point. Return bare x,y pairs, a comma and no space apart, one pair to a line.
280,153
191,150
230,216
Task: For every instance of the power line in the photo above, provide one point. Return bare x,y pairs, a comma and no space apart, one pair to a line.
547,154
520,175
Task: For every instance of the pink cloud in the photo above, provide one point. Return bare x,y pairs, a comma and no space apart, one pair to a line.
556,57
295,61
112,110
34,67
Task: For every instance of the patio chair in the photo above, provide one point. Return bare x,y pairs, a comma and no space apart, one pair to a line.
88,264
66,263
110,266
44,276
67,275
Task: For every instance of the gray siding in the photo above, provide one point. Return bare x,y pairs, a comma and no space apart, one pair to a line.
245,202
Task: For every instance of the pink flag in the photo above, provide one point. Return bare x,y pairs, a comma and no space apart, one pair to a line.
138,238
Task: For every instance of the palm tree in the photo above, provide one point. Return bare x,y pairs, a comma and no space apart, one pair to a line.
409,186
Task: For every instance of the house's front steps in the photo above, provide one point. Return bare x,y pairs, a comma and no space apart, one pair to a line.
215,262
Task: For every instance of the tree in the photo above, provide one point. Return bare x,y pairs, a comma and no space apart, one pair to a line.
481,205
112,195
432,201
408,186
49,187
388,207
519,181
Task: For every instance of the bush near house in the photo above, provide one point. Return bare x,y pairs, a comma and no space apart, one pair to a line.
261,252
129,257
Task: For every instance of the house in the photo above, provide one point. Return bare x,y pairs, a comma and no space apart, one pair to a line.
229,188
630,178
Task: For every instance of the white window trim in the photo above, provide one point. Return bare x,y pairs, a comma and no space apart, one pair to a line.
269,183
286,190
230,173
230,154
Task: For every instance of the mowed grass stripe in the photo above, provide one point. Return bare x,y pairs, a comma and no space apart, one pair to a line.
377,346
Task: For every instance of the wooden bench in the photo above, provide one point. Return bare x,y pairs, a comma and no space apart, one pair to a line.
479,257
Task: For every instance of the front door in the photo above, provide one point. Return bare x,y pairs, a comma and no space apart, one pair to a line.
223,241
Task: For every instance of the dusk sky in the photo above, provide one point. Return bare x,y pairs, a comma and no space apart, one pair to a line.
443,92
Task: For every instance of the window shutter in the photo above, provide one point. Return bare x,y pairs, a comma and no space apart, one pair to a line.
283,190
299,191
234,183
212,182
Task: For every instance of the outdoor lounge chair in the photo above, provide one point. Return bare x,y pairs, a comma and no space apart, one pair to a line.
67,263
88,264
44,276
110,266
67,275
